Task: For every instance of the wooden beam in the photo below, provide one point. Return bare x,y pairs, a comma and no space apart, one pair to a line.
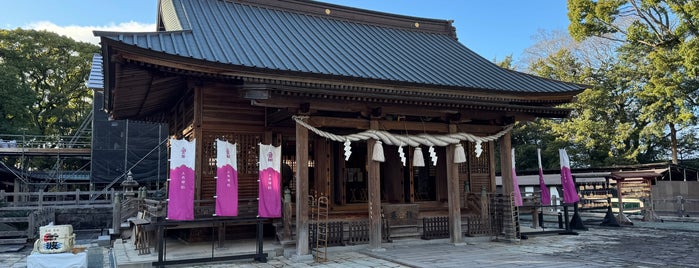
126,52
374,188
429,127
453,194
301,190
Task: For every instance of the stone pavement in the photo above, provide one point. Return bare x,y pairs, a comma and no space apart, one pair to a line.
651,244
645,244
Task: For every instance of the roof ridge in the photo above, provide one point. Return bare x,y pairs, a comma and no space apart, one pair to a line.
113,33
356,15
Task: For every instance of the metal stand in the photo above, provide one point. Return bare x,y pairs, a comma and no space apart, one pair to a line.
162,227
576,222
609,219
567,231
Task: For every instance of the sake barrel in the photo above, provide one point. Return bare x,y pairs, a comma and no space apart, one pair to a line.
56,238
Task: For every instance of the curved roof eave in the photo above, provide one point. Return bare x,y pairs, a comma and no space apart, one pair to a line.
278,37
262,75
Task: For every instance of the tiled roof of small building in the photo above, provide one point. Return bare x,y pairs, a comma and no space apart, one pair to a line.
96,78
243,33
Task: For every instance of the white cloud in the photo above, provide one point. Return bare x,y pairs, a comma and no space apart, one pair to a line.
84,33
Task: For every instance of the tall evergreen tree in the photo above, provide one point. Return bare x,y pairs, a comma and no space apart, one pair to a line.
658,43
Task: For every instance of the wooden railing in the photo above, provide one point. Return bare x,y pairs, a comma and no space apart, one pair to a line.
31,220
44,141
38,218
31,200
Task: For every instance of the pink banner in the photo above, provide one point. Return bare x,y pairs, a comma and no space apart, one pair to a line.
226,179
517,195
270,202
180,204
570,195
545,194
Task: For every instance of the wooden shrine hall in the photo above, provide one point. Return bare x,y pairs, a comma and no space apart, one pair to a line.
333,86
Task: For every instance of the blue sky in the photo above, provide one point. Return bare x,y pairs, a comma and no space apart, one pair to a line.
493,28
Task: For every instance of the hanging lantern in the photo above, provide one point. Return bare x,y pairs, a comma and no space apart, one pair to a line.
418,159
348,150
459,154
433,156
378,152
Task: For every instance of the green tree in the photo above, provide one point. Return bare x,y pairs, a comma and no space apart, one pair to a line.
43,79
15,98
658,43
604,126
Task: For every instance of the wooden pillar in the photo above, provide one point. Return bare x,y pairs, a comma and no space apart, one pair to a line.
621,218
374,189
301,190
491,156
507,187
506,163
453,193
199,151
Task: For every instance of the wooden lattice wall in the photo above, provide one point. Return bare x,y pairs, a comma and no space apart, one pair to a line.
476,171
248,159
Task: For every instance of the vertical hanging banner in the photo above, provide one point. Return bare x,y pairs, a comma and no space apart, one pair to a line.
545,194
226,179
180,205
270,203
515,184
570,195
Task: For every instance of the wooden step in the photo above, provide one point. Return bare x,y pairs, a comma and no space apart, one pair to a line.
13,233
286,243
13,241
406,235
14,219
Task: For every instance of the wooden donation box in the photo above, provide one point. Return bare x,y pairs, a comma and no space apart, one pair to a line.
401,214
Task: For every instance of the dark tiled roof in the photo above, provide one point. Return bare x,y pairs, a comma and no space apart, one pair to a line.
243,34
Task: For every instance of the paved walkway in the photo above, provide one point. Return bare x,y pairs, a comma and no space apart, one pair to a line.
645,244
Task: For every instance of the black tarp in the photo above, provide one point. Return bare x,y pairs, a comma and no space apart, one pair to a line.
122,145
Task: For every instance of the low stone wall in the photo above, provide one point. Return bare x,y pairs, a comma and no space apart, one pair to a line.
85,218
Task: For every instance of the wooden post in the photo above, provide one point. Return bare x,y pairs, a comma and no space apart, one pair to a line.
506,163
374,188
506,174
288,206
453,193
198,135
41,198
535,217
301,190
620,197
116,214
17,189
491,153
32,224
